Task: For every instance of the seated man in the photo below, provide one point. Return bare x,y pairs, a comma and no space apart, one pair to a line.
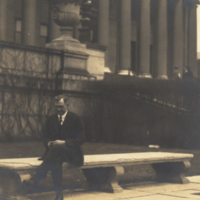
63,139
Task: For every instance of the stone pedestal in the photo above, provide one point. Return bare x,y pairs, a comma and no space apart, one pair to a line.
74,61
66,43
96,60
10,181
172,172
74,58
103,179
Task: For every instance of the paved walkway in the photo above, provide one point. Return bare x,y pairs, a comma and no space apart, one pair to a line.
149,191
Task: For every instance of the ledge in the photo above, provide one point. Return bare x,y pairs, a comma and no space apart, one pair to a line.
75,71
96,46
4,44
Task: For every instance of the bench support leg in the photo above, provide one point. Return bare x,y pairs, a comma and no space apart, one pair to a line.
103,179
173,172
10,181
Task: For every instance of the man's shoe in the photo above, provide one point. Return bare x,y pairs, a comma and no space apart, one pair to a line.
31,184
26,186
59,196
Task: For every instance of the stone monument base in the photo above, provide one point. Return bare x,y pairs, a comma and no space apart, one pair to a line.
63,44
74,56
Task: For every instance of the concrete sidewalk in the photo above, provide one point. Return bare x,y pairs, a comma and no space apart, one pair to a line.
148,191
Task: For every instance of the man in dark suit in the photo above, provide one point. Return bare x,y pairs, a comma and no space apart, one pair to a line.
63,139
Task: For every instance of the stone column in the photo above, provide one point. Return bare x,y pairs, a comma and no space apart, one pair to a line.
186,12
192,40
3,17
178,36
38,22
144,39
103,22
103,26
54,29
10,21
29,30
162,40
125,38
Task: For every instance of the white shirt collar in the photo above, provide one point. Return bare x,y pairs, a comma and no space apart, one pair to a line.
63,117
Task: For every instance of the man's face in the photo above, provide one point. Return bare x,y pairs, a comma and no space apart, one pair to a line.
61,107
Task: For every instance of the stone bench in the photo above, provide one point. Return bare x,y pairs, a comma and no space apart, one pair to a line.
101,171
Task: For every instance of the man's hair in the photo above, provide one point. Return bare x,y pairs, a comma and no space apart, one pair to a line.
59,97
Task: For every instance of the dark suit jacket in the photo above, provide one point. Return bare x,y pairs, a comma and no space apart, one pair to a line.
72,132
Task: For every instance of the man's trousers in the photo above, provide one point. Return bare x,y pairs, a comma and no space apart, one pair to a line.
53,161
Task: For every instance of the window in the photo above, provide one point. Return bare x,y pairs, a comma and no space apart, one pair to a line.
18,30
43,31
43,34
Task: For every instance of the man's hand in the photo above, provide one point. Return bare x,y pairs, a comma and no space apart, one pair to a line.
56,142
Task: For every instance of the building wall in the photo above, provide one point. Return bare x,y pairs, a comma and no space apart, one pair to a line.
43,35
15,13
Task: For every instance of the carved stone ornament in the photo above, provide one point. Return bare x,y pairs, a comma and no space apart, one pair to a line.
66,14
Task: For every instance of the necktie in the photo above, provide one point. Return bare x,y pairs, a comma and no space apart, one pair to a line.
60,119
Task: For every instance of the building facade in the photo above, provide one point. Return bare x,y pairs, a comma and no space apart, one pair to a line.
146,38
